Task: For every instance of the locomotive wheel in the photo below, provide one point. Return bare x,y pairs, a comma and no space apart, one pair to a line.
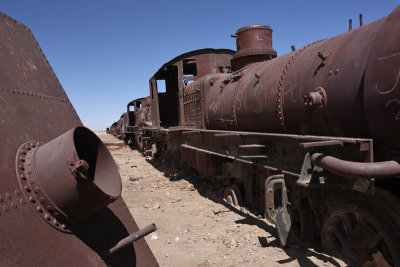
362,231
233,196
305,221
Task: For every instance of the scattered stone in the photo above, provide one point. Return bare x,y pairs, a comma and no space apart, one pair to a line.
154,237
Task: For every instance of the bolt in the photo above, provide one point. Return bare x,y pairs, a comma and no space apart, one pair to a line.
63,226
42,200
36,189
330,72
55,222
17,192
39,209
47,217
22,201
336,71
31,199
27,188
22,177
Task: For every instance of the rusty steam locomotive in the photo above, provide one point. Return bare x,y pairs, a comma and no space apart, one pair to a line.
60,202
311,137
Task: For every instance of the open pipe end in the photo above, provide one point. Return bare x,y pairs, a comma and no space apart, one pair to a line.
69,178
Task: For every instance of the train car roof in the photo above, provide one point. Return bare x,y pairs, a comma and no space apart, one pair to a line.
191,54
137,99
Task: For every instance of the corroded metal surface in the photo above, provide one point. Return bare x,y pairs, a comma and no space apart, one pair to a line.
40,221
253,43
282,94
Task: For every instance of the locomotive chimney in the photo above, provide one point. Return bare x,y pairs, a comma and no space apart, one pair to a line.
254,44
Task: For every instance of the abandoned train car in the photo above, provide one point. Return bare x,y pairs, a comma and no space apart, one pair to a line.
310,137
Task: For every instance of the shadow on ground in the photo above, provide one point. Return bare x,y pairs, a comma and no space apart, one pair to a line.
206,189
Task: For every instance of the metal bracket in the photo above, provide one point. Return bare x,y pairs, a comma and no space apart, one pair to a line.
79,168
278,215
310,176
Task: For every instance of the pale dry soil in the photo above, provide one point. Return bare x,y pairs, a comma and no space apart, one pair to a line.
195,228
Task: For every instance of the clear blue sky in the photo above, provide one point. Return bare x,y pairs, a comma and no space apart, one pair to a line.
105,51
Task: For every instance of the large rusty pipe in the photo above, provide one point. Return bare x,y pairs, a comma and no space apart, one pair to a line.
352,170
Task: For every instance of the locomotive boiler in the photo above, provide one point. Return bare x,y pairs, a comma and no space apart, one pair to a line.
60,197
311,138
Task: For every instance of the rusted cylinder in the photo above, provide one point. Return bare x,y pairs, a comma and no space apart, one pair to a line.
253,43
76,175
353,170
356,98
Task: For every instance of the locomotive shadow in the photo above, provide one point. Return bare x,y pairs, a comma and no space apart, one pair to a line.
206,189
104,230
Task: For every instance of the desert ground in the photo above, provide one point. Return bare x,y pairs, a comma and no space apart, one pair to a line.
195,227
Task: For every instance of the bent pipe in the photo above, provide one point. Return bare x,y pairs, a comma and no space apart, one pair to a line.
353,170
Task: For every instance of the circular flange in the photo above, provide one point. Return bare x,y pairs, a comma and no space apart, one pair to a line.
30,187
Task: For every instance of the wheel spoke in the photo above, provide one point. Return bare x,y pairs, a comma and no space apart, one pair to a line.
375,241
339,235
367,228
346,224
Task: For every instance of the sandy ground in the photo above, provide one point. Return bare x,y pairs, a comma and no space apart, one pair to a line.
194,227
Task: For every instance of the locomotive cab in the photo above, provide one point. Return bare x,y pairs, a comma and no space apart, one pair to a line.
172,105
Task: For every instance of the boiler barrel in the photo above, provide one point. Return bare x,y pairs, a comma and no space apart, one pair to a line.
347,86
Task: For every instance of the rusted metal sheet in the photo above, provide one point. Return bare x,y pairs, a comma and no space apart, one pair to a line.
382,86
54,195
